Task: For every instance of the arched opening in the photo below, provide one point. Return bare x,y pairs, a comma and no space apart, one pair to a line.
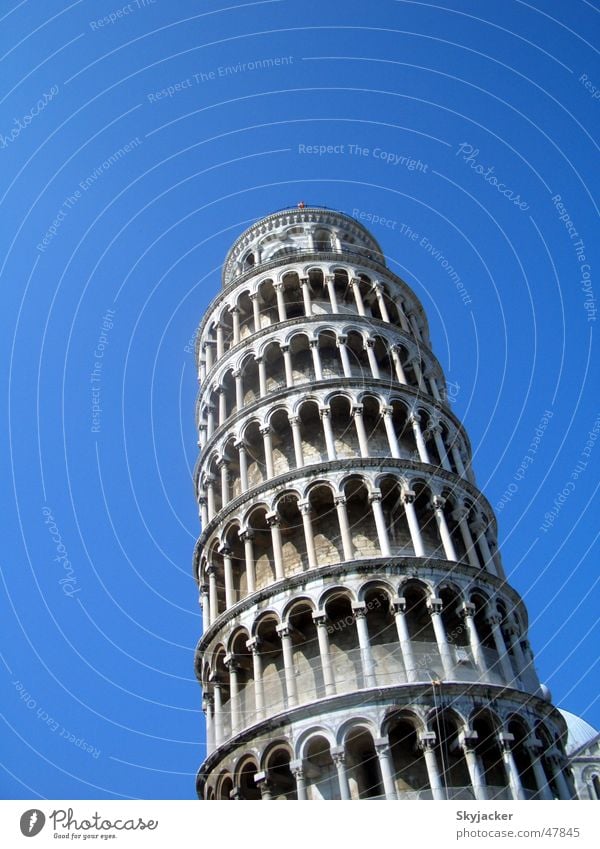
362,765
282,442
357,354
307,659
250,380
264,564
273,670
314,449
522,757
319,770
255,454
292,534
267,301
343,643
244,671
248,789
344,430
412,780
427,521
225,788
331,366
302,362
383,637
281,780
274,367
325,527
360,518
244,305
235,547
487,750
378,442
292,295
452,766
395,517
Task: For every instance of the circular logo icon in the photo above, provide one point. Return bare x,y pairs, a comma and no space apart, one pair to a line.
32,822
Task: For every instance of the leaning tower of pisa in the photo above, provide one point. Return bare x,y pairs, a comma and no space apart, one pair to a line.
359,637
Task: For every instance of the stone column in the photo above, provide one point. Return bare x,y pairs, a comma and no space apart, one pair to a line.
273,522
320,621
505,665
346,536
314,347
468,612
510,636
384,756
297,437
382,534
408,498
457,458
408,657
239,390
210,497
329,282
427,742
224,469
416,364
535,751
281,311
288,662
246,537
205,605
325,414
555,762
391,433
414,325
360,616
210,420
255,311
266,435
208,708
202,371
338,756
220,390
220,341
480,528
403,319
381,302
234,692
218,711
298,773
373,359
287,362
259,693
202,501
304,508
438,507
361,433
240,447
304,285
355,286
341,343
421,447
511,768
235,317
460,515
212,592
262,376
439,444
434,605
398,365
474,766
226,552
208,354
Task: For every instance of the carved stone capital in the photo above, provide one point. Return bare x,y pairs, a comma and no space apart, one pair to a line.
245,534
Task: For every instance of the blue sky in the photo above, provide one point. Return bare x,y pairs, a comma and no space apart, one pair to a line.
136,142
